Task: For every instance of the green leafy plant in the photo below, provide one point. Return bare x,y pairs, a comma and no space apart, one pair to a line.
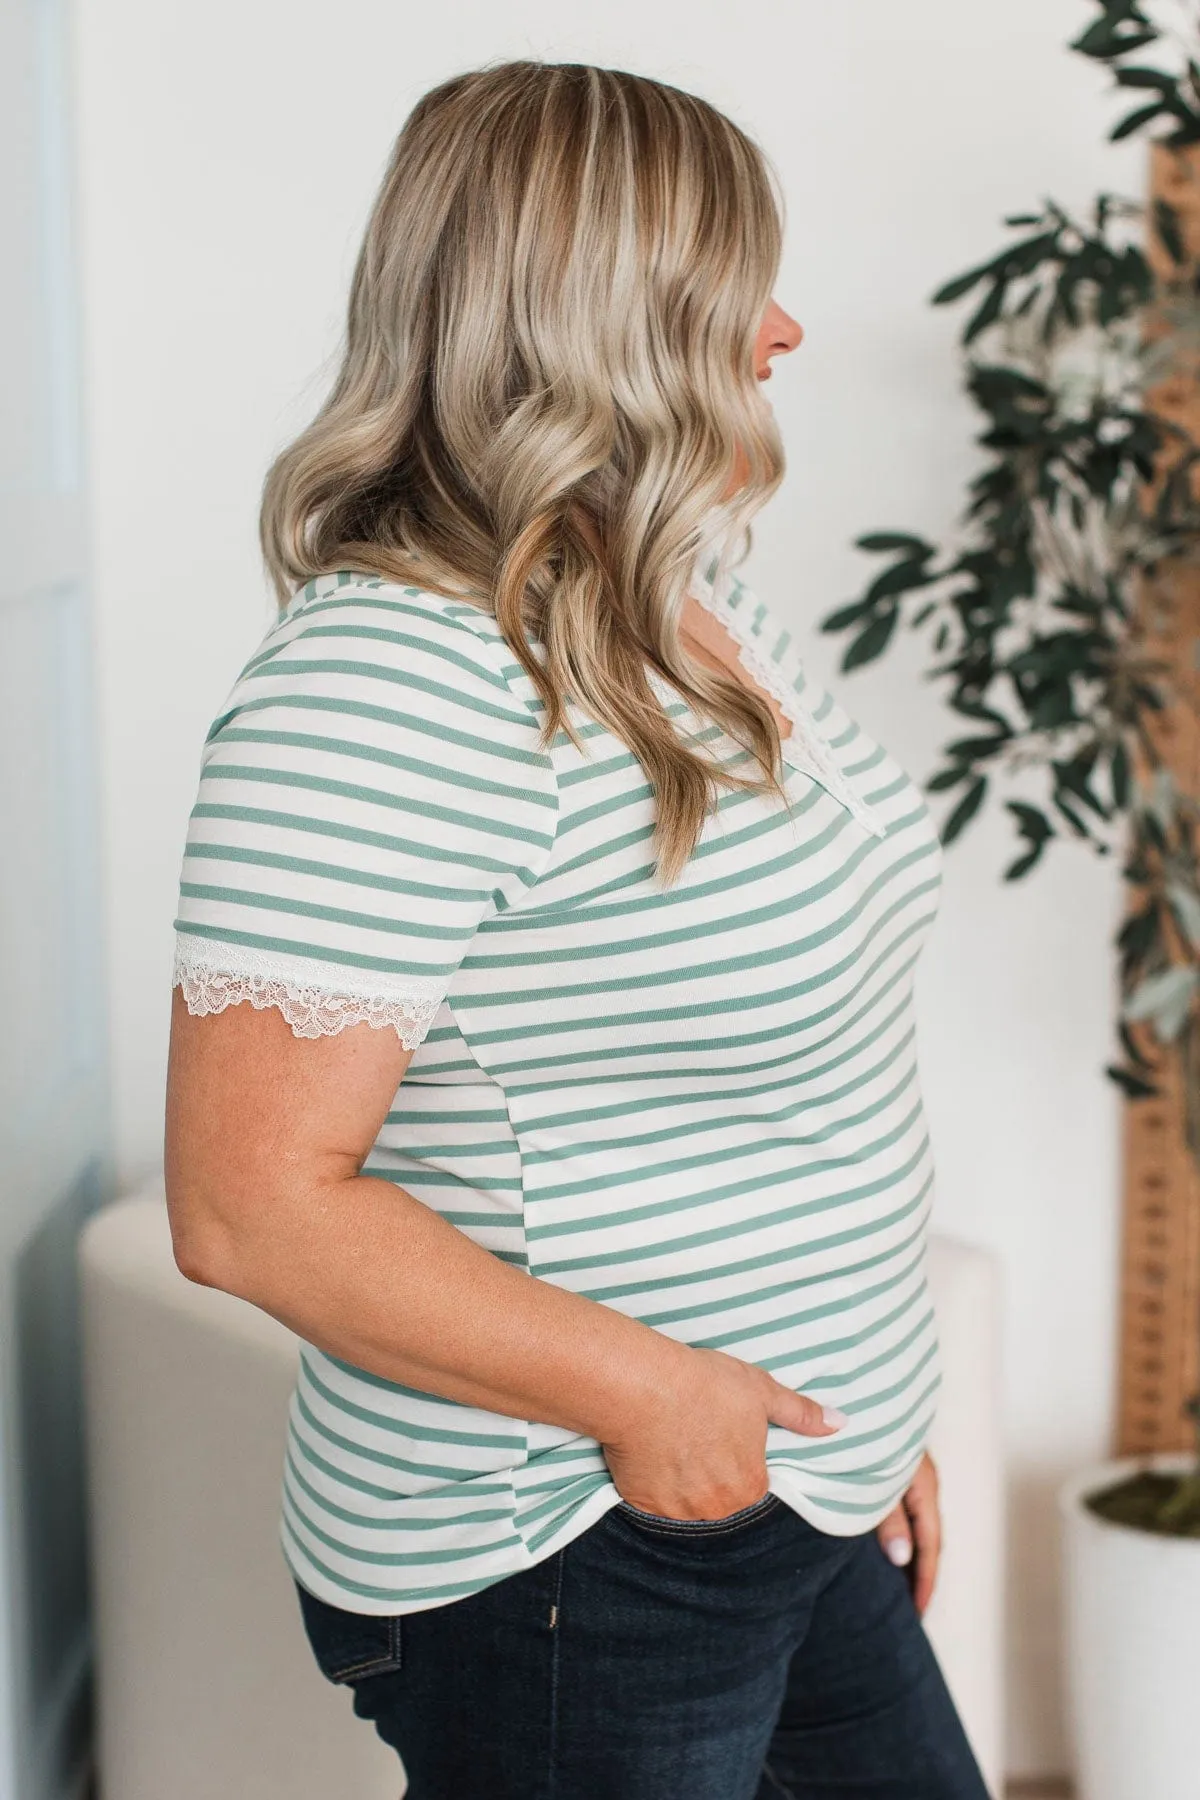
1050,611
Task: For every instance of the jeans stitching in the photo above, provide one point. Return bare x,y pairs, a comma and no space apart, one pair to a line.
770,1775
555,1633
374,1665
383,1662
699,1527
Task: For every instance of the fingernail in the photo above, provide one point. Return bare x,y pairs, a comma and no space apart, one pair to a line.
833,1417
899,1551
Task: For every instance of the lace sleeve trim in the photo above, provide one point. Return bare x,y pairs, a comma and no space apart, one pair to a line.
317,1000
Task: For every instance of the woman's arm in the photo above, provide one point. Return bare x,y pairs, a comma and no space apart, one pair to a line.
265,1136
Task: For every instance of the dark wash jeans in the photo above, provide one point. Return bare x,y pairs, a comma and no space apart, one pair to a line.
746,1658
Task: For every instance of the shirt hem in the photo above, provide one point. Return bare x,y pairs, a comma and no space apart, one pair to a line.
830,1520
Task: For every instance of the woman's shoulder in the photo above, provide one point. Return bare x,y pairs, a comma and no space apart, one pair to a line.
361,633
404,613
396,673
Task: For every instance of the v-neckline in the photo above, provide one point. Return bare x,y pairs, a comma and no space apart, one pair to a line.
740,668
804,749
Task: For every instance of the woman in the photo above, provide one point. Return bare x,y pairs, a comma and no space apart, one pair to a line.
573,1124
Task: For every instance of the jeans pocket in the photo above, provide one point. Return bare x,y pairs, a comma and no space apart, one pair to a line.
667,1527
349,1645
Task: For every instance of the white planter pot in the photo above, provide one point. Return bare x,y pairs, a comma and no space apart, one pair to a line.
1132,1641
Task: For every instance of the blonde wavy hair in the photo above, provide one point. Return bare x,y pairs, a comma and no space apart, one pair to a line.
547,402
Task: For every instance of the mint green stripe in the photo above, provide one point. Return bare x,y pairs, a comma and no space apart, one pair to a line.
782,1082
447,1590
358,877
826,1309
404,1559
696,1046
224,934
467,1003
649,1172
439,738
408,679
832,1240
348,790
475,860
696,931
364,1452
643,1140
288,906
412,1428
694,1240
365,1522
428,643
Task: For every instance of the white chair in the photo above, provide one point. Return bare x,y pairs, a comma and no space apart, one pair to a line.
206,1688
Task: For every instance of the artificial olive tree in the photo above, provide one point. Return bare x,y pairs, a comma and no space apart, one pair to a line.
1043,612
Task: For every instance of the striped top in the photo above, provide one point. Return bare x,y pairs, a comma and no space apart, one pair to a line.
699,1105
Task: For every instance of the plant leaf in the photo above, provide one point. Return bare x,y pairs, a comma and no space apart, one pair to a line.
946,778
1185,904
894,540
987,313
1145,78
1133,1085
1165,998
901,578
847,615
1135,120
1166,223
966,809
961,284
872,642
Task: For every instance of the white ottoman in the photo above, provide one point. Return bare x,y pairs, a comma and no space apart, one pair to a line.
206,1688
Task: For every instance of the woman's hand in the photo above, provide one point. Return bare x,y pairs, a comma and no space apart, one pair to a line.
914,1527
696,1448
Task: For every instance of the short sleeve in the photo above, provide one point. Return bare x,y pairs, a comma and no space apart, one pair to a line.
371,791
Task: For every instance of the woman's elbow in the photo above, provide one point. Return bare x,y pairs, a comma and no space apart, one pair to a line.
204,1247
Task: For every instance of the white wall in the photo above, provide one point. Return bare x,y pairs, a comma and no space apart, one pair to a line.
228,156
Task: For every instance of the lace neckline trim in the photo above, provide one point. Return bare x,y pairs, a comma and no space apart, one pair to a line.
805,748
